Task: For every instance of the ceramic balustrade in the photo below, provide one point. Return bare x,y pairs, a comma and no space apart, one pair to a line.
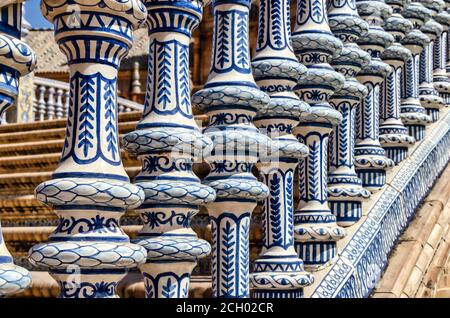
16,59
370,158
88,253
345,191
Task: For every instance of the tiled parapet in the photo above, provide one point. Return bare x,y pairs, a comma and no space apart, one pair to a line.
345,191
316,231
428,95
231,99
413,114
88,253
370,158
167,141
278,272
440,75
16,59
394,136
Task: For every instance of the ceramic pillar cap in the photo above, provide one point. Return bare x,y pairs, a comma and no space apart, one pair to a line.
396,52
132,10
278,68
443,18
351,60
347,27
432,29
16,54
397,5
415,38
374,9
321,42
398,24
434,5
417,12
376,68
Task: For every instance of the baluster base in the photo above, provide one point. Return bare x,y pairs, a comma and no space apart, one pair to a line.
167,279
372,179
397,154
88,283
416,131
347,212
316,254
433,113
275,274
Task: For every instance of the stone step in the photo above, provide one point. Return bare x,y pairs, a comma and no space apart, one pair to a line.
45,162
25,182
49,134
57,123
40,132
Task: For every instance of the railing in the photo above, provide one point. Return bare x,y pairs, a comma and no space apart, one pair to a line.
51,100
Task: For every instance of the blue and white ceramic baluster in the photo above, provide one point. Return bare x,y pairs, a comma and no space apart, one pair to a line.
394,136
440,75
428,95
370,158
167,141
278,272
231,99
16,59
315,229
345,191
88,253
412,113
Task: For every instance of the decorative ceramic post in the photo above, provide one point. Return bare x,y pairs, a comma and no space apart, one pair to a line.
345,192
278,272
16,59
316,231
412,113
429,97
447,10
88,253
394,136
231,99
440,50
167,141
370,158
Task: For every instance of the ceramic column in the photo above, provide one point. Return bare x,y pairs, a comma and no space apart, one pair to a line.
412,113
394,136
345,191
440,50
167,141
316,231
278,272
231,99
16,59
88,253
428,95
370,158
